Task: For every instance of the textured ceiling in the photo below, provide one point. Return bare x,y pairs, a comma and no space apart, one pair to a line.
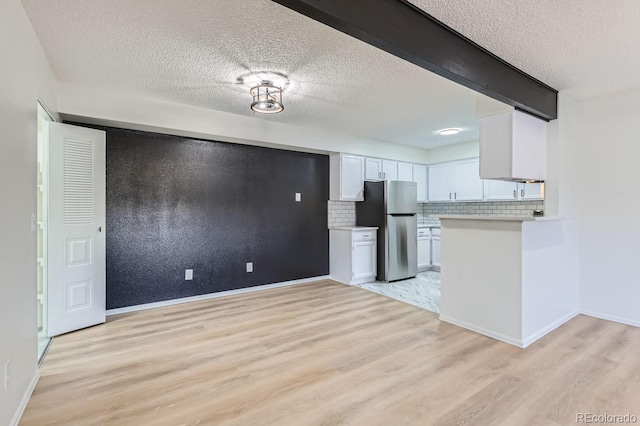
586,47
193,51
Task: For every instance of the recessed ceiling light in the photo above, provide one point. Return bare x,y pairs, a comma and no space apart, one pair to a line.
449,132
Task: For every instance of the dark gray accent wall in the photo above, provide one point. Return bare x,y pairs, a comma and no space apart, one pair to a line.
175,203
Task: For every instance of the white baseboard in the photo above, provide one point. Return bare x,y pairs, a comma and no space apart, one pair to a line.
608,317
498,336
212,295
25,399
548,329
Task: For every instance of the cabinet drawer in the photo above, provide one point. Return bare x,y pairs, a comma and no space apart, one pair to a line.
435,232
424,232
364,236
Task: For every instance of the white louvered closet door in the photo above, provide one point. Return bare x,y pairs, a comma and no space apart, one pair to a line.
76,248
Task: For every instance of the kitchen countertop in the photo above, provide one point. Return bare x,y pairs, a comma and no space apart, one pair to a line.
354,228
499,218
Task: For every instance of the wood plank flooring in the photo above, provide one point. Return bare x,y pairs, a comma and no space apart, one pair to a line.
328,354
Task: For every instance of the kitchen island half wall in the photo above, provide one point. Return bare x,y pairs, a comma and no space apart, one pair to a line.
510,278
175,203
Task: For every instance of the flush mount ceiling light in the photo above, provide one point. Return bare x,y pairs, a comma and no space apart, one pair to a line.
449,132
267,98
266,88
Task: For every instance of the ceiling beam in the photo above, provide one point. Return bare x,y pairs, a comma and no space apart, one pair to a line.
399,28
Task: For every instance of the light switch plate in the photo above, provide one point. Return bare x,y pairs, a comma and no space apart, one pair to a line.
298,196
188,274
249,266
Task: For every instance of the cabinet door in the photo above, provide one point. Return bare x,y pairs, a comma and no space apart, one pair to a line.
405,172
420,178
424,252
372,169
364,259
440,182
389,170
351,178
531,191
435,251
466,180
500,190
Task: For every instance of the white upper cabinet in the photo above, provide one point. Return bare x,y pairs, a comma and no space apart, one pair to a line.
500,190
419,173
466,181
372,169
346,177
440,182
513,146
389,170
405,171
379,169
531,191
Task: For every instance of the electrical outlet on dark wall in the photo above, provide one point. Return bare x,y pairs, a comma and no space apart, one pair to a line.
175,203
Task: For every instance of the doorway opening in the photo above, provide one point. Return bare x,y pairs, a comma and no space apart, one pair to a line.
42,225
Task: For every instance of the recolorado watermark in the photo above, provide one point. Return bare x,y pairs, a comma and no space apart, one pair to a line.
606,418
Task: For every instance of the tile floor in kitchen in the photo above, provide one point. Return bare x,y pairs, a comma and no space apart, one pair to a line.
422,291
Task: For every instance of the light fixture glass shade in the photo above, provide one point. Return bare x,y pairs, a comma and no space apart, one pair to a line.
267,98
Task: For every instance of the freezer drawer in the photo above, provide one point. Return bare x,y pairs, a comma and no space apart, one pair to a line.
401,257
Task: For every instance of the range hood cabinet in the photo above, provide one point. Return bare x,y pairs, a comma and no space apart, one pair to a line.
513,147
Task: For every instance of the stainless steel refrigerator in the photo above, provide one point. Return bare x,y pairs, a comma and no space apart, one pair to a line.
392,207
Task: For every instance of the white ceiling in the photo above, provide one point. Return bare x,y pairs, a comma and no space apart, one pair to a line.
586,47
193,51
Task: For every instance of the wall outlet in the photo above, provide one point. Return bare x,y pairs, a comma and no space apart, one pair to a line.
7,375
298,196
188,274
249,266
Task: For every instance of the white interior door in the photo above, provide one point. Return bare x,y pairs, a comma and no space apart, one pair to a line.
76,245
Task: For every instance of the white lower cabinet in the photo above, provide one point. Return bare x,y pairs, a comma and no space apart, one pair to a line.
435,247
424,248
352,254
363,264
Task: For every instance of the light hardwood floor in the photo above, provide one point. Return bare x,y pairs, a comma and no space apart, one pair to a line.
328,354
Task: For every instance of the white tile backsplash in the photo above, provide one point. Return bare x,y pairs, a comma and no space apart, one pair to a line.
493,208
343,213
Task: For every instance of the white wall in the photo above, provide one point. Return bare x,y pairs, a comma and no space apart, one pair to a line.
457,151
25,75
606,159
113,108
549,276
